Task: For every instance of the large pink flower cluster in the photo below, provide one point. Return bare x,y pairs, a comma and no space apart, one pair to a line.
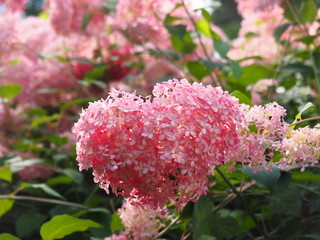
302,148
140,224
154,151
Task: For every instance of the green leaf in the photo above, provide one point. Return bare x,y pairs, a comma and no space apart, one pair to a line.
48,190
97,73
202,212
177,30
223,227
221,47
5,173
285,201
305,108
110,5
306,176
10,91
203,27
198,69
170,19
17,163
242,98
308,11
185,45
206,15
307,39
277,33
116,222
5,206
302,11
251,74
236,69
44,119
85,20
268,178
58,180
7,236
60,226
76,102
206,237
76,176
28,222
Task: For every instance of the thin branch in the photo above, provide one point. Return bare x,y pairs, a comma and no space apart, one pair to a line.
167,228
200,41
304,120
45,200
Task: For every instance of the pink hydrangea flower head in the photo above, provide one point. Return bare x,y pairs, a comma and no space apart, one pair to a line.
14,5
141,224
67,16
154,151
118,237
263,132
301,148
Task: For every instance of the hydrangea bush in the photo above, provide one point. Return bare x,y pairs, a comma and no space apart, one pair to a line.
183,132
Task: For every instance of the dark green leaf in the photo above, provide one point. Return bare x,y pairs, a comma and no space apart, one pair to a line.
85,20
48,190
5,206
242,98
76,102
202,212
28,222
60,226
277,33
301,11
307,39
223,227
221,47
76,176
236,69
306,176
178,31
58,180
285,201
5,173
10,91
97,73
116,222
198,69
110,5
268,178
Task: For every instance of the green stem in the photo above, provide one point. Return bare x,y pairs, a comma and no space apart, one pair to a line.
46,200
304,30
244,203
204,49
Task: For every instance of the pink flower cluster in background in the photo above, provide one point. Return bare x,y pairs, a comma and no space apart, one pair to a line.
302,148
141,224
154,151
